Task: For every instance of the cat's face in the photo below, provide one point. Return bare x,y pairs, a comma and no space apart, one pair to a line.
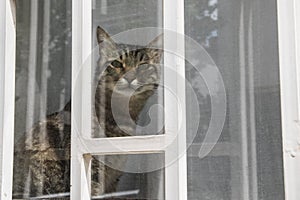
129,68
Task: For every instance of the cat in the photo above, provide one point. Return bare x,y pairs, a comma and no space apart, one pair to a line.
42,162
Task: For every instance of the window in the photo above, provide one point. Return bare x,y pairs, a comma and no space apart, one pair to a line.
222,123
242,40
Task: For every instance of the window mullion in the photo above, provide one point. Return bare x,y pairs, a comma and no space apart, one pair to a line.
288,27
7,97
80,185
86,68
176,169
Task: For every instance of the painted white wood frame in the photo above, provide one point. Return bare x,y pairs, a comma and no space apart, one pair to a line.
289,51
176,173
289,57
83,145
7,97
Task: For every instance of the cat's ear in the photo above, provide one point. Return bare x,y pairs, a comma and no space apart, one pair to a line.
155,48
157,42
105,42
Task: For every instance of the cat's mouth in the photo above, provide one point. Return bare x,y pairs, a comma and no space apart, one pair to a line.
123,86
128,89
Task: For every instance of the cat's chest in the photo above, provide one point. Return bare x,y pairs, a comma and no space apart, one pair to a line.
123,105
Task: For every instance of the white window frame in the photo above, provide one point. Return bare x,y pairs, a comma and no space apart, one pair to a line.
175,173
7,97
289,56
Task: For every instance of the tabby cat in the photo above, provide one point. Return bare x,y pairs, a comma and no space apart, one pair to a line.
42,162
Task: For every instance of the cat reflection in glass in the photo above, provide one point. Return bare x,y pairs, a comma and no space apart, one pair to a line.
42,161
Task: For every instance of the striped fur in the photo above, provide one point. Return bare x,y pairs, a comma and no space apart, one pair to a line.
42,165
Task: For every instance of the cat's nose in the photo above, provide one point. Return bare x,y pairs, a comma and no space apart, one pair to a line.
130,76
135,84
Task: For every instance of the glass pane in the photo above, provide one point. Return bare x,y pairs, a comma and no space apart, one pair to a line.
134,176
43,90
126,71
246,163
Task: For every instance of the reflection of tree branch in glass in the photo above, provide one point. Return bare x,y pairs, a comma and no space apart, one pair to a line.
203,20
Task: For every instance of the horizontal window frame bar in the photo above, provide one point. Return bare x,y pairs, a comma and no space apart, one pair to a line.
122,145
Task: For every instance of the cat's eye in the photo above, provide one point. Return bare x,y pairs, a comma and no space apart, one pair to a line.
110,69
117,64
144,57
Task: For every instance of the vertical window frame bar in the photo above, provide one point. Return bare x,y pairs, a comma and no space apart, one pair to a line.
176,171
86,68
7,91
289,45
80,186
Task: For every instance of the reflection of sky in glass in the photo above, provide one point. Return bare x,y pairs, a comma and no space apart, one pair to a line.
212,2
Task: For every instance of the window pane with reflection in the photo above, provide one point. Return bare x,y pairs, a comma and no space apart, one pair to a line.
246,163
42,101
